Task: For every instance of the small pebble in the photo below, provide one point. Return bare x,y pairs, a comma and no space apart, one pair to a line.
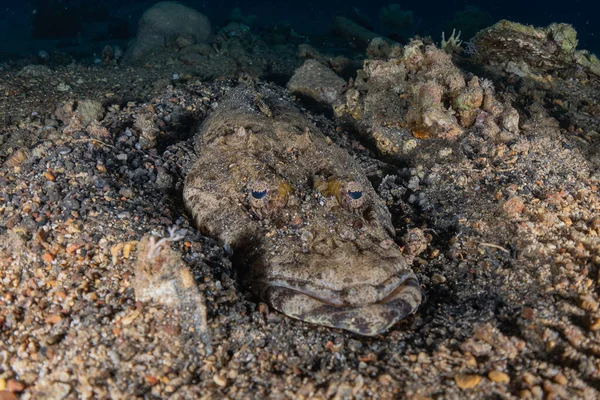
49,175
13,385
529,378
385,379
6,395
48,257
164,180
17,158
219,380
467,381
561,379
71,204
498,377
63,87
594,323
127,193
63,150
151,380
587,303
513,207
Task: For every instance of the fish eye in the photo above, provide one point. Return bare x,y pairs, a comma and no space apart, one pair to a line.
259,195
268,198
258,192
355,195
259,189
355,198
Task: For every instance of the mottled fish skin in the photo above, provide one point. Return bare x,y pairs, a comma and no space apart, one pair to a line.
304,222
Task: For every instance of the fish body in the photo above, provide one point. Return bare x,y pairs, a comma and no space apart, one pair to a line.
307,229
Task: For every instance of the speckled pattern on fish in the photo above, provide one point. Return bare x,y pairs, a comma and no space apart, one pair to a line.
304,223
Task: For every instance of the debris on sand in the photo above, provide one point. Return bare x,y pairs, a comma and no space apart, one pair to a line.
162,277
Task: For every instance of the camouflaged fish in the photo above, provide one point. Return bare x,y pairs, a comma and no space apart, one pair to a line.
304,223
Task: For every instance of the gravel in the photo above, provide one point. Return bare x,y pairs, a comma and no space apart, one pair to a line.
510,273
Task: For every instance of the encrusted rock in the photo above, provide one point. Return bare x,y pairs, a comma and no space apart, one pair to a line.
90,110
531,51
161,276
510,120
167,26
468,102
147,129
317,82
418,91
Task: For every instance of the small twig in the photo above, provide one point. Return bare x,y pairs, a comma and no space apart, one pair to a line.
96,140
495,246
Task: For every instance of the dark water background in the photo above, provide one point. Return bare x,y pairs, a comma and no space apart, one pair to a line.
82,27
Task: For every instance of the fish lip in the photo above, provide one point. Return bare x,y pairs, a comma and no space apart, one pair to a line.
369,319
390,287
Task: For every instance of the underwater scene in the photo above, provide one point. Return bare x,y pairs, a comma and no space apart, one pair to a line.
299,200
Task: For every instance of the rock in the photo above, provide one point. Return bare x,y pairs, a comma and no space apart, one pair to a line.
161,276
63,150
561,379
164,180
63,87
95,130
166,27
6,395
57,391
531,51
379,48
498,377
219,380
510,120
468,102
90,110
17,158
353,32
467,381
35,71
70,204
14,386
529,378
148,130
317,82
513,206
64,110
202,49
192,58
594,323
127,193
587,302
416,92
184,41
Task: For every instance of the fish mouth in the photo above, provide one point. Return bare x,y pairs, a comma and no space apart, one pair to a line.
397,299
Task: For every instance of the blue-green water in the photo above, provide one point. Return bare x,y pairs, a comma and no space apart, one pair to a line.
81,28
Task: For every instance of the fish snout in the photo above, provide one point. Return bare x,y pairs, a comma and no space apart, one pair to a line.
367,319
